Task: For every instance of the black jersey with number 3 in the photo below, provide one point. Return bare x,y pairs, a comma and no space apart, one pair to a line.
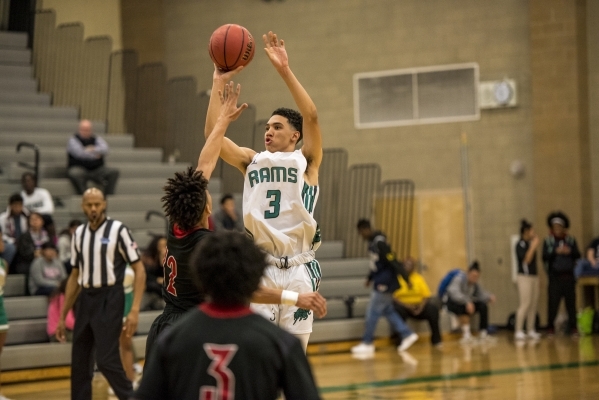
235,355
178,288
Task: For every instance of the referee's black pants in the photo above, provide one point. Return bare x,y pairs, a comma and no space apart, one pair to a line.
98,324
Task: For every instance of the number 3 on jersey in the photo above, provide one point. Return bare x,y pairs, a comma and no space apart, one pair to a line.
221,356
275,203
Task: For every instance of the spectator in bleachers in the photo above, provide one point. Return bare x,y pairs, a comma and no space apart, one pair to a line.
560,252
7,249
39,200
13,222
152,259
384,269
55,303
3,316
29,244
227,218
64,244
589,265
86,153
46,272
465,297
416,301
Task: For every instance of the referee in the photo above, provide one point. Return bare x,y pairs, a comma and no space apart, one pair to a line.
100,251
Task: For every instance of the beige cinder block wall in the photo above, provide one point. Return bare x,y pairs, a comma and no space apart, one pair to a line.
99,17
329,41
592,13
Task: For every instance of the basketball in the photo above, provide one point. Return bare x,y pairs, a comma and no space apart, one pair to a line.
231,46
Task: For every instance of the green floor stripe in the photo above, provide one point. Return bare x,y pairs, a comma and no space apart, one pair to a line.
451,377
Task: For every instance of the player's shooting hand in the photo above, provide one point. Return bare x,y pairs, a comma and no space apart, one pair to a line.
275,50
313,301
131,323
228,98
61,331
225,76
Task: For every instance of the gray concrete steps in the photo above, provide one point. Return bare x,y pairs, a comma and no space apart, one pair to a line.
26,307
127,169
13,56
59,155
344,268
38,99
54,139
348,329
16,71
12,85
328,250
342,287
16,40
19,124
27,332
14,285
62,188
33,112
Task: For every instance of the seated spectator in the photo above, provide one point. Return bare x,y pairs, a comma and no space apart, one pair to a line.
152,259
560,253
55,303
39,200
13,222
465,297
227,218
589,265
64,244
86,153
7,250
29,244
415,301
46,272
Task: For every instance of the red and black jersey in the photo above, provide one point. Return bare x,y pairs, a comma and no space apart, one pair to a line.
178,287
218,354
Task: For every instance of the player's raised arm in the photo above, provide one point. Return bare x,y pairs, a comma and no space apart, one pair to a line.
312,147
231,153
228,112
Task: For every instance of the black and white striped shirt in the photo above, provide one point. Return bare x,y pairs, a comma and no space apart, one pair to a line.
102,255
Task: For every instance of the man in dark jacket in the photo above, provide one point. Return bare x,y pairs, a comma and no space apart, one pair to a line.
560,252
384,269
86,153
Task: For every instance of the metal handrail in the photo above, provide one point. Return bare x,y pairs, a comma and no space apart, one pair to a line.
36,166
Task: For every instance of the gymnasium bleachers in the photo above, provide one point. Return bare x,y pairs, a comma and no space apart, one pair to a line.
28,116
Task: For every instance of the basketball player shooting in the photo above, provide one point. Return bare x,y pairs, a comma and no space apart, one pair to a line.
280,193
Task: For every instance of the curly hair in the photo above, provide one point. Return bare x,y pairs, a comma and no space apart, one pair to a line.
295,119
185,198
227,267
558,215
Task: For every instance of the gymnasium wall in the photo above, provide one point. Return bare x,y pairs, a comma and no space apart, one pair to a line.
593,57
99,17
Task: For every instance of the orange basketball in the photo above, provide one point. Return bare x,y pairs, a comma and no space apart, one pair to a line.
231,46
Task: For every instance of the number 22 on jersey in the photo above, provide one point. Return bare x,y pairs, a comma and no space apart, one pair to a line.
171,263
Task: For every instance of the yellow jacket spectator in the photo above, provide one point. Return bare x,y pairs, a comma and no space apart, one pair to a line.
415,301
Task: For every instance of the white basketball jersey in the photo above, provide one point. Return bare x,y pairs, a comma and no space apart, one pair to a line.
278,205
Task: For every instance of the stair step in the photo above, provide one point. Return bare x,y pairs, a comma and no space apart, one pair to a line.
16,40
29,99
11,85
53,139
17,124
16,71
9,56
36,112
59,155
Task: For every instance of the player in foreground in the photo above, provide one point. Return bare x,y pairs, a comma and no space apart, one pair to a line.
280,193
222,350
188,204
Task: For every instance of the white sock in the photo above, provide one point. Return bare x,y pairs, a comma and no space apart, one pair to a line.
466,331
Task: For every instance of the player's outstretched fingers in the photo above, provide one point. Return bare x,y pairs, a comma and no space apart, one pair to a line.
313,301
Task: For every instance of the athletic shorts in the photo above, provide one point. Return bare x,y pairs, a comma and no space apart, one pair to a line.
128,305
163,321
304,278
3,316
